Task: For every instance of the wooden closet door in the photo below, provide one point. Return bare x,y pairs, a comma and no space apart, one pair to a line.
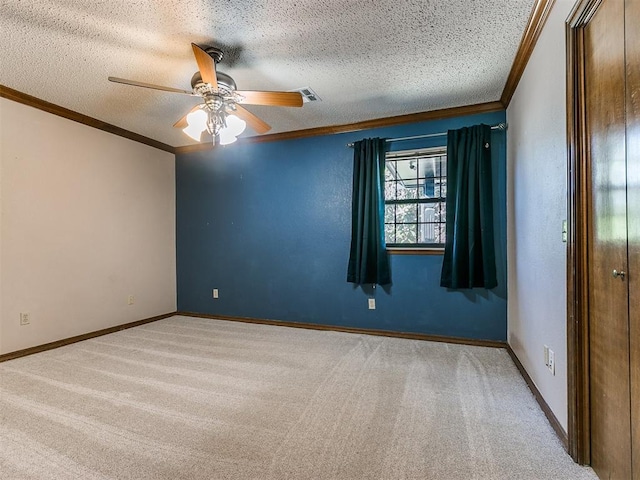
607,243
632,50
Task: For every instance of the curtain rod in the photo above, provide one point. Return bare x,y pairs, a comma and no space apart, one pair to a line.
500,126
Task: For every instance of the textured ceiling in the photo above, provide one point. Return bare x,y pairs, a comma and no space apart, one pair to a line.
365,59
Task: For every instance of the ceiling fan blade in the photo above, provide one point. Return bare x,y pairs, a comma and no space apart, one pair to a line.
278,99
206,65
149,85
182,123
254,122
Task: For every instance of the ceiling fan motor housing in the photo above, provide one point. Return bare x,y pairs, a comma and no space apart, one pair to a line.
225,82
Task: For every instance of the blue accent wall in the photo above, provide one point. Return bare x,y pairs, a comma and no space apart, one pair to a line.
269,225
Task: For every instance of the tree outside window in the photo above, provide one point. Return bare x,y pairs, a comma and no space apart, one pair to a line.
415,198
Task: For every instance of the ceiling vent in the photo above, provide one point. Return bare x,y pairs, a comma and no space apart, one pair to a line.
308,95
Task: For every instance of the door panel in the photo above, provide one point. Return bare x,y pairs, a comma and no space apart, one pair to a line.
607,249
633,212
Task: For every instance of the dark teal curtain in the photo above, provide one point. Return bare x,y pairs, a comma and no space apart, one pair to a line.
469,254
368,260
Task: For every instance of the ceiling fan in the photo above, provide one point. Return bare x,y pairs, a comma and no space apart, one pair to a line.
220,114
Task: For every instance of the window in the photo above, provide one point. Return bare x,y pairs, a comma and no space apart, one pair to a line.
415,189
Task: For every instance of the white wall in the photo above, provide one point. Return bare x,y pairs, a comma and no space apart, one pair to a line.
537,198
87,218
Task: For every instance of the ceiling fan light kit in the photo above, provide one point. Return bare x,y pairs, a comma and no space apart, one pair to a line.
196,124
220,114
234,127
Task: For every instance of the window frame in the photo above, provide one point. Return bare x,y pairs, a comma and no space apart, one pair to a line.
407,155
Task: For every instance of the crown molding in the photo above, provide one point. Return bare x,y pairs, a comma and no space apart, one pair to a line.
31,101
357,126
537,19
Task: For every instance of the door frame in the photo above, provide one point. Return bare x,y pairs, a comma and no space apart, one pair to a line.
578,181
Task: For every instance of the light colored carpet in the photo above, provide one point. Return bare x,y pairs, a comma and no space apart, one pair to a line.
190,398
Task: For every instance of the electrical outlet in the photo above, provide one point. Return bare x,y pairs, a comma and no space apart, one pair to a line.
552,362
215,293
25,319
564,231
372,304
131,300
